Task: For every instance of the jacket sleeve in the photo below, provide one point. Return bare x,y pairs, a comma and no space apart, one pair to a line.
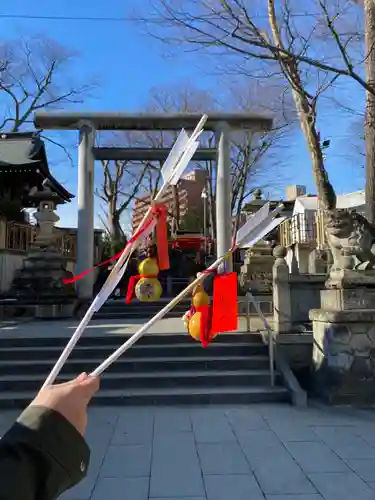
41,456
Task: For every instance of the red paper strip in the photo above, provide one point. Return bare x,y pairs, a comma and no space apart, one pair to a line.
225,304
133,280
162,238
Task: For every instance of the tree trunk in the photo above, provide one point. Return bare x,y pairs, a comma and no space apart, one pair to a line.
306,114
370,109
114,226
305,107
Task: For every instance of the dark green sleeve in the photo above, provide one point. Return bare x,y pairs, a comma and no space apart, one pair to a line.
41,456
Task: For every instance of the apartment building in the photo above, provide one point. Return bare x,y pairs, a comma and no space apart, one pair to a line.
189,191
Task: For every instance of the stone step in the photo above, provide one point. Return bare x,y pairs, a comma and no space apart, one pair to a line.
167,396
116,340
146,315
101,352
116,304
130,364
151,380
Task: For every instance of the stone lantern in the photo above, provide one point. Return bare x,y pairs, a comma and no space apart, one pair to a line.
40,280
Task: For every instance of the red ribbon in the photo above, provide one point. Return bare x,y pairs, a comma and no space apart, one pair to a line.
156,211
162,238
205,324
132,284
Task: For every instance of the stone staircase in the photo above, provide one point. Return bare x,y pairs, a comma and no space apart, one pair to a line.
159,369
118,309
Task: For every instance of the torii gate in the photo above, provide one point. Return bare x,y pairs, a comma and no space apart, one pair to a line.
89,123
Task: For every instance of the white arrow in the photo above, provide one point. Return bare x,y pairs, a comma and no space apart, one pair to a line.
254,235
177,161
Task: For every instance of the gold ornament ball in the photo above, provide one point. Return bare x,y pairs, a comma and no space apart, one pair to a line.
148,267
148,290
200,297
194,327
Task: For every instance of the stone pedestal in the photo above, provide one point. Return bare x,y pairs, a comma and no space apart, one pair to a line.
256,272
344,339
40,280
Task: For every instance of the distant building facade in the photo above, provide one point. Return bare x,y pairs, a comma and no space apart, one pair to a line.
189,192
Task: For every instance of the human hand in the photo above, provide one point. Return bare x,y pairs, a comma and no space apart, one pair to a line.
70,399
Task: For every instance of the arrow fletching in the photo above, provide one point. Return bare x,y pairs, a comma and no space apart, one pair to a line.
258,226
175,153
181,153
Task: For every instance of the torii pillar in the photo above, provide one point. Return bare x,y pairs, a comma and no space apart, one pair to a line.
85,231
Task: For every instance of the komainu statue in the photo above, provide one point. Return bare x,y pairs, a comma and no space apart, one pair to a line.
351,237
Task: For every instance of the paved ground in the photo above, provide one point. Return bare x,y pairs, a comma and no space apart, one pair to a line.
235,453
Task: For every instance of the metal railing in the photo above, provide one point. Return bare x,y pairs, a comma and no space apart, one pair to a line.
270,333
303,228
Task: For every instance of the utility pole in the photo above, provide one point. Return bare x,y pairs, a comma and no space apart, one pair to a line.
369,15
369,12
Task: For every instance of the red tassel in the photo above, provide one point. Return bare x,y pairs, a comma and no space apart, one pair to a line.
225,303
66,281
205,324
162,238
133,280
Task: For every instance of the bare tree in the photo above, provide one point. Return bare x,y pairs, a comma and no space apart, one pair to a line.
252,46
251,153
124,182
34,75
121,183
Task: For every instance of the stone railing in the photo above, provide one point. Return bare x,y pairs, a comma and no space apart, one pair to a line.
303,228
293,295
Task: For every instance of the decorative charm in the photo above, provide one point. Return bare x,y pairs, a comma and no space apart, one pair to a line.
145,285
203,321
148,288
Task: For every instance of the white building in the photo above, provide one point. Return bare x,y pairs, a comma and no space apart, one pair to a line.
303,225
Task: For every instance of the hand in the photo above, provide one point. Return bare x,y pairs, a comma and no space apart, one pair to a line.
70,399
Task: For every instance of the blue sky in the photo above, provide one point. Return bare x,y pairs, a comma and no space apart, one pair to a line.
128,64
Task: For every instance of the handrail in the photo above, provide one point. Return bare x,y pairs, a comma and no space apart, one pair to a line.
302,228
271,340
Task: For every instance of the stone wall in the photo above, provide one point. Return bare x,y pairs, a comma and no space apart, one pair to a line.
304,292
293,295
10,262
264,300
344,356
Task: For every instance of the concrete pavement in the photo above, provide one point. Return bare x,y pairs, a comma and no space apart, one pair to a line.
271,452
